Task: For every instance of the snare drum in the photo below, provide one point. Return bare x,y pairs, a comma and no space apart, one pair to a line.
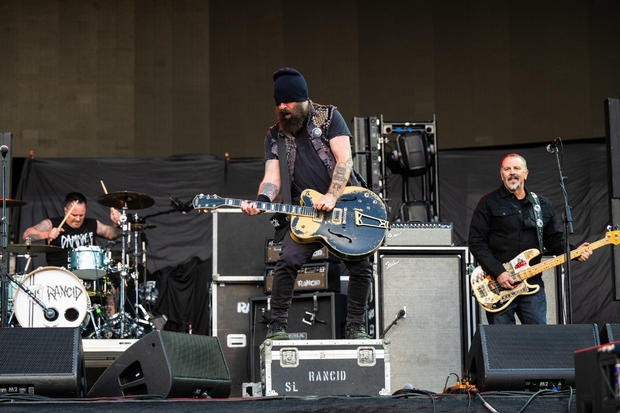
57,289
97,288
87,262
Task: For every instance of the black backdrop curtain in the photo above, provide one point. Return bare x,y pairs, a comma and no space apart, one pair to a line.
180,247
466,175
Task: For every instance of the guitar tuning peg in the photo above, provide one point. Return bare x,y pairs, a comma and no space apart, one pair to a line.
609,228
617,227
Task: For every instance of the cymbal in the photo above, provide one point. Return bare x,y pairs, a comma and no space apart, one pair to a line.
31,248
142,226
120,199
10,203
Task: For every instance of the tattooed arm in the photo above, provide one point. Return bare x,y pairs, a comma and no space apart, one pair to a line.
107,231
269,187
43,230
341,148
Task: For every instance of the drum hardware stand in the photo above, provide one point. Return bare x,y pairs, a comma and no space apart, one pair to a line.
121,315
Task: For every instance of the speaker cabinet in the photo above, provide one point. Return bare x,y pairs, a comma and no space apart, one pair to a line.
615,249
238,238
230,306
610,333
310,317
169,365
612,126
527,357
44,361
598,379
429,283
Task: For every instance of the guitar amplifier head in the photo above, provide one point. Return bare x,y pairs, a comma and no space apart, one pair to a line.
413,234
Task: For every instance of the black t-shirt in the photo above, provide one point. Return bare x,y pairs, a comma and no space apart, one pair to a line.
310,172
71,238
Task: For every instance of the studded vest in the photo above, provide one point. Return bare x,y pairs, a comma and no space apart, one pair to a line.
319,119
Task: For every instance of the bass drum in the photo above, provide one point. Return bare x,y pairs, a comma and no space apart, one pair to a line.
59,290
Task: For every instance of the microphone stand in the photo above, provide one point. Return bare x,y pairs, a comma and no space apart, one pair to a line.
4,315
567,307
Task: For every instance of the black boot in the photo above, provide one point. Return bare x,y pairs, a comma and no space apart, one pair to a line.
276,331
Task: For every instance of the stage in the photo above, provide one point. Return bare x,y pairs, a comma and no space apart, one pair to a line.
503,402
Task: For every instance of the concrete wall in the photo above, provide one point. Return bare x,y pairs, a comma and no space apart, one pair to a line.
142,78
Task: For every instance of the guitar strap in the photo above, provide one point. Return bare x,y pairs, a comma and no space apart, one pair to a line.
285,179
539,221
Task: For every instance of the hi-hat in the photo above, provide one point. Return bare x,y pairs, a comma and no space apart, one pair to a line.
31,248
10,203
131,200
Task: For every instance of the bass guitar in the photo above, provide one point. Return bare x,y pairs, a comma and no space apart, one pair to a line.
353,229
494,298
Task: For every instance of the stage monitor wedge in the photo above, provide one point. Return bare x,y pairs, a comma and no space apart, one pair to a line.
43,361
167,364
527,357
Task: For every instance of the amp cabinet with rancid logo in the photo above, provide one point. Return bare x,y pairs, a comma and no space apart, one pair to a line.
319,276
325,368
230,323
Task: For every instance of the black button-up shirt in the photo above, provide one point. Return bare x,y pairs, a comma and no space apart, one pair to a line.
503,226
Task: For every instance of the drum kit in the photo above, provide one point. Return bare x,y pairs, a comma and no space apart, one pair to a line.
94,280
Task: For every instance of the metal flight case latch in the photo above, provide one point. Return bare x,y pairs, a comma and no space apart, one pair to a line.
366,357
289,357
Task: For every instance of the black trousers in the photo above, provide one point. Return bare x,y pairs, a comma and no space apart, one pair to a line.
292,257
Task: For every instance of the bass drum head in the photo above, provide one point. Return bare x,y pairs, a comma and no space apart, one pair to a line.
57,289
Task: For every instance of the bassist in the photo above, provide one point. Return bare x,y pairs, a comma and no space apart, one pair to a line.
507,221
314,139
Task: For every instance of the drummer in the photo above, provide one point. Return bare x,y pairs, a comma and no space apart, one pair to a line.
76,231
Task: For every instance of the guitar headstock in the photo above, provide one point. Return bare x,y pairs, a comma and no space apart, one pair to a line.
613,236
202,201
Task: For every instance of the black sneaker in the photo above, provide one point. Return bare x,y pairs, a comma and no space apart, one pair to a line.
276,331
355,331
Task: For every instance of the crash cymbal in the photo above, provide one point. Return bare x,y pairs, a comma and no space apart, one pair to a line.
31,248
10,203
139,226
132,200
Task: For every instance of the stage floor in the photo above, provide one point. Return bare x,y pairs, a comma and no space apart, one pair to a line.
546,402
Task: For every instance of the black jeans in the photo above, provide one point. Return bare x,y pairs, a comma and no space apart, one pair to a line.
292,257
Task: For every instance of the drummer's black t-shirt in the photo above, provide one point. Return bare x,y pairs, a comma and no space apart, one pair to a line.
71,238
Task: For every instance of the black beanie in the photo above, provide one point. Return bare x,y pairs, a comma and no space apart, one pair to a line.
289,86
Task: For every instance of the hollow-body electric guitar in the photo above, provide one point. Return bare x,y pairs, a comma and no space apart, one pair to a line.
493,297
353,229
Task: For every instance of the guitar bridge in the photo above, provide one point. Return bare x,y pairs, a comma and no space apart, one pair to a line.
337,216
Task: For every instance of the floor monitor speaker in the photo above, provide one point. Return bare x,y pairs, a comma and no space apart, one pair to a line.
43,361
167,364
527,357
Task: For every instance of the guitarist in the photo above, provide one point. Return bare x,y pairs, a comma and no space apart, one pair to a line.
503,225
315,141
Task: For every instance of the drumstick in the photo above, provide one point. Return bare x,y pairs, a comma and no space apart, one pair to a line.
105,191
65,218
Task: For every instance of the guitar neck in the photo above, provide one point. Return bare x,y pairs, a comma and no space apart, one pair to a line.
560,259
298,210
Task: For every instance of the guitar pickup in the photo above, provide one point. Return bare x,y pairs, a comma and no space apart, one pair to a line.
337,216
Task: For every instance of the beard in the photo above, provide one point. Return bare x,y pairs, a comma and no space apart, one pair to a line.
513,186
293,124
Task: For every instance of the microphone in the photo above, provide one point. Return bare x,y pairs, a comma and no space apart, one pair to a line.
553,146
4,149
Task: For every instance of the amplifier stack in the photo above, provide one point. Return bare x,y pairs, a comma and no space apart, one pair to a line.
240,303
